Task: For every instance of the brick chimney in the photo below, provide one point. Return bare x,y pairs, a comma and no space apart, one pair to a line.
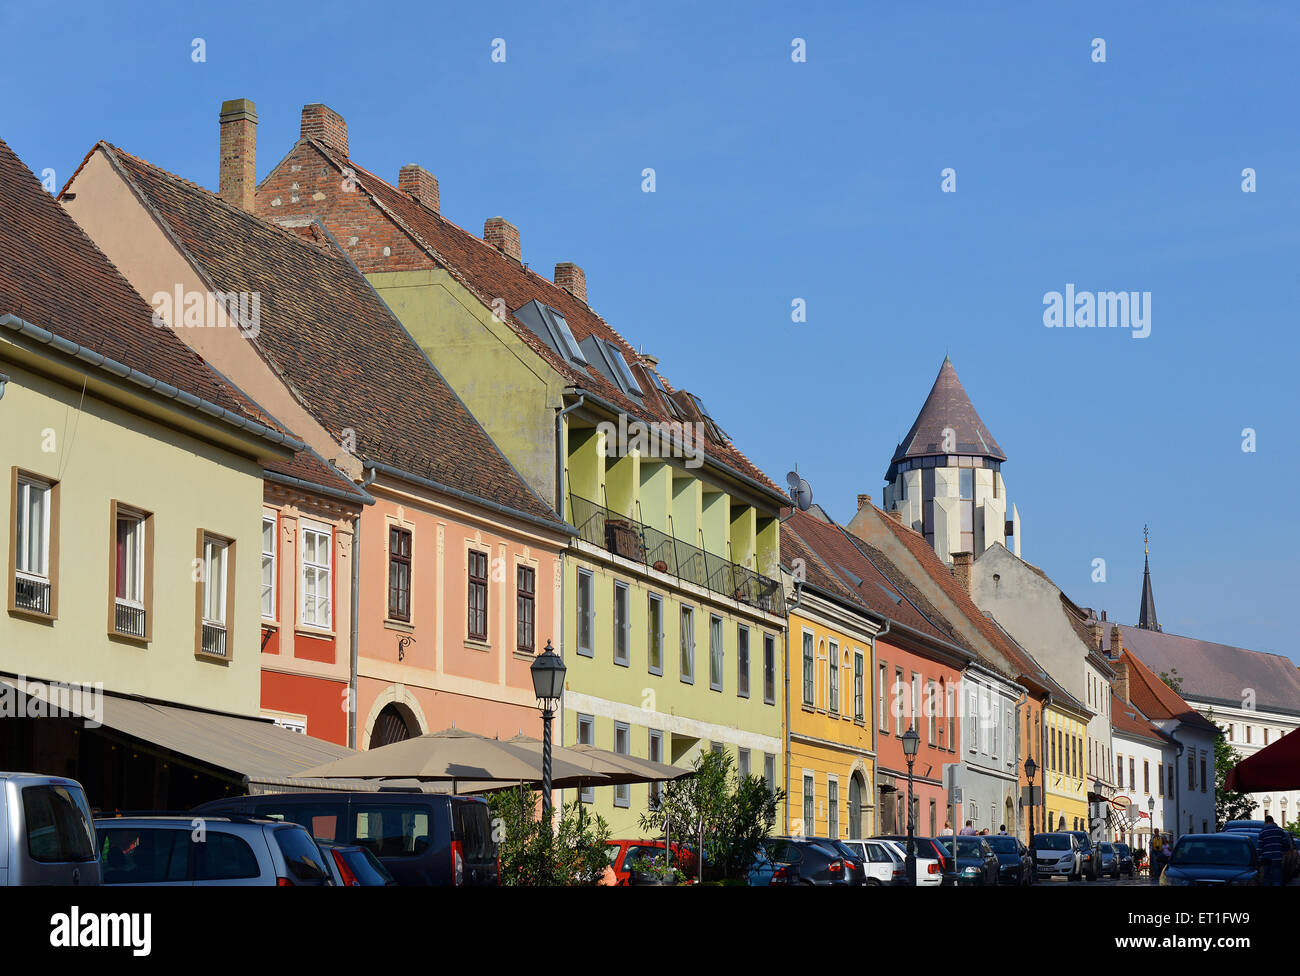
896,515
961,563
322,123
237,181
863,502
1116,641
1120,684
571,278
1096,629
420,184
504,236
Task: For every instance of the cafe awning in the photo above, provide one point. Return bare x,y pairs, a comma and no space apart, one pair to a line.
1275,767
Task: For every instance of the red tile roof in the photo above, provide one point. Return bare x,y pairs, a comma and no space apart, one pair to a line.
1126,719
1156,699
337,346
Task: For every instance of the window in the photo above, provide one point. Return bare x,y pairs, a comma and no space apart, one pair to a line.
1160,779
950,703
1247,735
769,669
994,730
131,583
715,653
268,565
915,717
622,746
622,624
687,640
399,574
315,586
742,763
225,857
586,613
972,719
809,811
769,771
1132,773
655,638
833,676
859,693
34,543
809,672
586,737
742,661
1191,772
656,755
882,679
216,593
900,705
1052,742
833,807
526,609
478,595
1146,776
1203,778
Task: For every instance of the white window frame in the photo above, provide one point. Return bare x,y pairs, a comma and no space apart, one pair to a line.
586,615
320,571
215,551
686,644
742,762
622,791
135,564
270,560
809,802
859,686
808,657
22,541
833,807
653,636
742,661
623,628
717,652
655,753
587,794
769,651
834,699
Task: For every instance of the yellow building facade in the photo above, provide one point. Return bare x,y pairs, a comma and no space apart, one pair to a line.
1064,767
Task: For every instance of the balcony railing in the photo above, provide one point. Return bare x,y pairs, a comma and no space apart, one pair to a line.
214,639
32,594
128,619
641,543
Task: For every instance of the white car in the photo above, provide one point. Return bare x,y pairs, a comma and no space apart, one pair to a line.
1057,852
886,863
929,872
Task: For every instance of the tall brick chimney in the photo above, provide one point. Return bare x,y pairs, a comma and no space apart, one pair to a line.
572,279
504,236
863,501
322,123
1116,641
420,184
1120,684
237,182
1096,629
961,563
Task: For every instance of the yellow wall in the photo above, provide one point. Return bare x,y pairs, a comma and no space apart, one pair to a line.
1066,793
99,452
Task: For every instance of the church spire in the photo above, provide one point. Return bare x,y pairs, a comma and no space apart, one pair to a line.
1147,614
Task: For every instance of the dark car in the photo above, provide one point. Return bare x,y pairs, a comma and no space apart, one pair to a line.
798,861
1091,854
421,838
1124,855
623,854
1229,858
1109,861
853,866
930,847
976,862
1290,853
1015,865
354,866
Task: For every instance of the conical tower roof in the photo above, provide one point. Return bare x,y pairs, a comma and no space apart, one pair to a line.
947,407
1147,613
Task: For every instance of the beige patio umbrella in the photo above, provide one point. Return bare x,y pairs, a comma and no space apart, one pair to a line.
643,770
456,756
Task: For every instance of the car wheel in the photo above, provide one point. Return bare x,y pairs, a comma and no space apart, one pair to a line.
874,882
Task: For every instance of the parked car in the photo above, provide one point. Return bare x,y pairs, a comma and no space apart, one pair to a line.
1109,860
177,851
46,836
1089,853
1015,864
354,866
1057,853
622,854
421,838
798,861
1228,858
882,863
1124,855
929,873
854,867
1290,856
930,847
976,862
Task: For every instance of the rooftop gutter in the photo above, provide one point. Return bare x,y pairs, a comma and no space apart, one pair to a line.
362,497
122,371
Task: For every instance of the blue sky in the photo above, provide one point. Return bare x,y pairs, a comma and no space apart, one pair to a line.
820,180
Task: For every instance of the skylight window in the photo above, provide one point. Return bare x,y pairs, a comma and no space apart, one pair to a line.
629,383
549,325
607,360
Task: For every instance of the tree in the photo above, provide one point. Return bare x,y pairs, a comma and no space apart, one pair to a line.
1228,804
734,814
1173,680
535,853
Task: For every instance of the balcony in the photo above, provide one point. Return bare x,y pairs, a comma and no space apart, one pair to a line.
657,550
32,594
214,639
128,619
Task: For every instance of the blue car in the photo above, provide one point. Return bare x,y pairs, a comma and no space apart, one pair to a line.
1212,859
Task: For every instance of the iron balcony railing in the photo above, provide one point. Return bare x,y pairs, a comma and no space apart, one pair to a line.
128,619
641,543
214,639
32,594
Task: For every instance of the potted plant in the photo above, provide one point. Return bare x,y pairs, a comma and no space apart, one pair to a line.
654,870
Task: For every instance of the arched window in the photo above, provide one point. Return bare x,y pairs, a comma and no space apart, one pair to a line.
857,818
394,724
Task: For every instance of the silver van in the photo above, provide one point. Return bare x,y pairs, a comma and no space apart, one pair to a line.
46,836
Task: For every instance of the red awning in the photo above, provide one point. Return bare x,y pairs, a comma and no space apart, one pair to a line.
1275,767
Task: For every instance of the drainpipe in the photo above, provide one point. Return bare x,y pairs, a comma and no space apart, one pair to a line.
1042,751
876,727
559,508
798,597
356,610
1178,794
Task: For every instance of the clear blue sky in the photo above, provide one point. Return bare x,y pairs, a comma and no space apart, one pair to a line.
778,180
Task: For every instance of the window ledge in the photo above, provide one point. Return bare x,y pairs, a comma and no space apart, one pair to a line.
477,645
315,632
213,658
270,624
136,639
33,615
523,655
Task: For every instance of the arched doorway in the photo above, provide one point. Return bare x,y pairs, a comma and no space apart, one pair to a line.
1009,816
857,811
393,724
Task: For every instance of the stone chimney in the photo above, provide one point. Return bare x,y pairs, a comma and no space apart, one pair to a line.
420,184
649,360
572,279
961,563
864,501
237,182
1096,629
1120,684
504,236
1116,641
322,123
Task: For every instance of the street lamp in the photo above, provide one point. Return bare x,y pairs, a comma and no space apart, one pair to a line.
911,742
1031,770
548,682
1151,809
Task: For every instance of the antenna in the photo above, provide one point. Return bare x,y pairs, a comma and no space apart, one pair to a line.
800,490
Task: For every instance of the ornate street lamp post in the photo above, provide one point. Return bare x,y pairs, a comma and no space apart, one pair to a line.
548,682
1031,770
911,742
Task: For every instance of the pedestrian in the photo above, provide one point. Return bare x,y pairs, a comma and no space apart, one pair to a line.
1002,831
1157,858
947,829
984,832
1272,847
969,830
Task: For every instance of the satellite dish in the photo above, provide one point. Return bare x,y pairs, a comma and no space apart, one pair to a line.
800,491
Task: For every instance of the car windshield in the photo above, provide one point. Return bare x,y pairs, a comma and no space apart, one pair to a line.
966,846
1212,851
1004,845
1051,842
1107,849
